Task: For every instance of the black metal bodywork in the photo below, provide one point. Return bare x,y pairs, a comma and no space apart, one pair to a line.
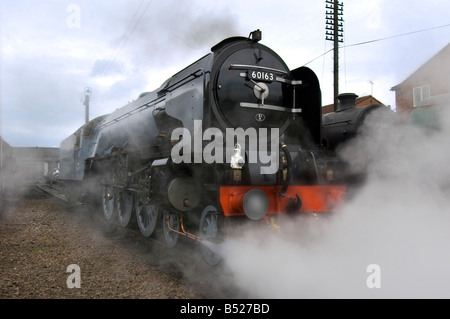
348,121
153,149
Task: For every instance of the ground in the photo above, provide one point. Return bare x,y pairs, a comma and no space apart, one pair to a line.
41,243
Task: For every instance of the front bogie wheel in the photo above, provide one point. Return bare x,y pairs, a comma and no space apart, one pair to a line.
171,227
210,235
146,217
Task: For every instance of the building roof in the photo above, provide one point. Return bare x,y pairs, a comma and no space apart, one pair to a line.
4,144
360,102
442,53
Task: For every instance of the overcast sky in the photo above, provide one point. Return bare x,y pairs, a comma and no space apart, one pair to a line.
52,50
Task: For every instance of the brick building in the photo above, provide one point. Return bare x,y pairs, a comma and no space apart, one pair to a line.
430,79
35,163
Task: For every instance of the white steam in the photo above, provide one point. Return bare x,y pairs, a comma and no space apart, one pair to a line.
398,220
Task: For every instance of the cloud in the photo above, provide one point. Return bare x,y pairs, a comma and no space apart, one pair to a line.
106,67
137,47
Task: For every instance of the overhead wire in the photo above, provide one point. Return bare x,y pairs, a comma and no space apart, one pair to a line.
396,36
125,37
377,40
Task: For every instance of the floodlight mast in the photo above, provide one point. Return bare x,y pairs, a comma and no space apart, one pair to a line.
87,94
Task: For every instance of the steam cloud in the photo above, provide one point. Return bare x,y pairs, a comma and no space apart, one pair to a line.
398,220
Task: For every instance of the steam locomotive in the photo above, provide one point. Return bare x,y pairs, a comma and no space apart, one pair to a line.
348,122
234,136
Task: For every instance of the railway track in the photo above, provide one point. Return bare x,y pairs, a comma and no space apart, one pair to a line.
52,190
182,261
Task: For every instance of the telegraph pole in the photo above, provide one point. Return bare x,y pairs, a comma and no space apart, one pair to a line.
335,32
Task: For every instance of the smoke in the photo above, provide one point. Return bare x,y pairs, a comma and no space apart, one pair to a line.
169,37
392,232
179,34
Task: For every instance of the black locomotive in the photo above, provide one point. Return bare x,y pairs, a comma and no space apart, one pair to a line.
235,135
347,123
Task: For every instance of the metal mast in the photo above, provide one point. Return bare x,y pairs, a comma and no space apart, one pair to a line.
87,95
335,32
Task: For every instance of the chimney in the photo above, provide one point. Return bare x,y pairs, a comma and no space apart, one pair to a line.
346,101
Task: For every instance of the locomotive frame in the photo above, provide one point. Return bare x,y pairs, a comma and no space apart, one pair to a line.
139,159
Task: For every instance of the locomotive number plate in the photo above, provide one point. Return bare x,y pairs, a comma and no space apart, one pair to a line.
261,75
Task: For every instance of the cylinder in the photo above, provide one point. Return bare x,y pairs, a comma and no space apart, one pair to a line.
183,193
254,203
